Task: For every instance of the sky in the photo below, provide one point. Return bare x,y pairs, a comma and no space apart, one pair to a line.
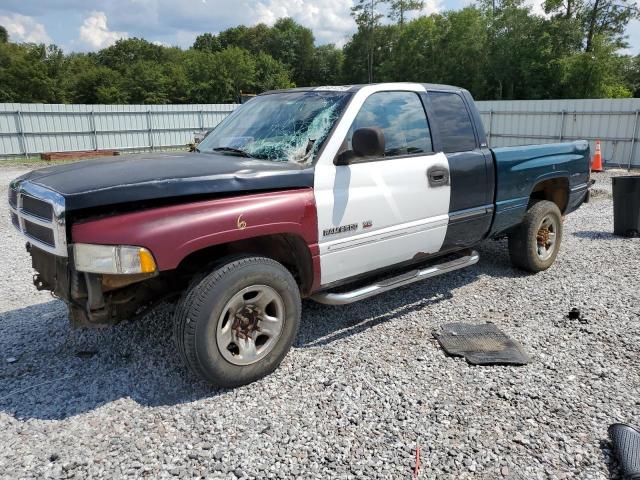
81,25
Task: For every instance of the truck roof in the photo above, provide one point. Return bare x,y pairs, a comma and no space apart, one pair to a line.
355,88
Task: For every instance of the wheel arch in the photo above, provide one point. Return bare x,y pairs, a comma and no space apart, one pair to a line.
555,189
289,249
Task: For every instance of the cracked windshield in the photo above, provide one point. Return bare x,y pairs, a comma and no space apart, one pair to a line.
282,127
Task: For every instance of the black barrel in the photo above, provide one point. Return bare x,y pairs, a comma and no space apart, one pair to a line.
626,205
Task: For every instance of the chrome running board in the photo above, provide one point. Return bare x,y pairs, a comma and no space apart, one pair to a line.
329,298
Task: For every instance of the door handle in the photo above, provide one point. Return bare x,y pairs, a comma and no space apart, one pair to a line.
438,176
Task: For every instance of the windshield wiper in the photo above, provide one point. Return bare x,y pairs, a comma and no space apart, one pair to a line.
233,150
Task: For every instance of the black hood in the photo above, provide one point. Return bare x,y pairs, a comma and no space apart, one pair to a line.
141,177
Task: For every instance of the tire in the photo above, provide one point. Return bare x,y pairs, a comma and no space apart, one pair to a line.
533,252
224,338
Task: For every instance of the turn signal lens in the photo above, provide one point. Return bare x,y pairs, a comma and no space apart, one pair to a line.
147,263
113,259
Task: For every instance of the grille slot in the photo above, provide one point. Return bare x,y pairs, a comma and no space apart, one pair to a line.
36,207
13,198
40,233
38,214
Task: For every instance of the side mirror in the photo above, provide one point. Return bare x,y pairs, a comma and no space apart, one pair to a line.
366,142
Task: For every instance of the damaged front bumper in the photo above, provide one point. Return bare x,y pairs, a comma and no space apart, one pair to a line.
94,300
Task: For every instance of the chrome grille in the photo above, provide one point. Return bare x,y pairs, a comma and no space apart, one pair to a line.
38,213
13,197
39,233
36,207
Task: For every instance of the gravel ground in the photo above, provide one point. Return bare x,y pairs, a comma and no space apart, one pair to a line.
363,387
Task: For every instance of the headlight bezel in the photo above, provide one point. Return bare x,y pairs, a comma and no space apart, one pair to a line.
113,259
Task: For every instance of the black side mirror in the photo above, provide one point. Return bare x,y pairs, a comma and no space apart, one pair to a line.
366,142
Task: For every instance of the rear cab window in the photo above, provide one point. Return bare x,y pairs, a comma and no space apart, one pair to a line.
453,120
402,119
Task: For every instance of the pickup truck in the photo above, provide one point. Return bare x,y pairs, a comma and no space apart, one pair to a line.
329,193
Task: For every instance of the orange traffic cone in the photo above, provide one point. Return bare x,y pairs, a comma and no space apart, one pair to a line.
596,163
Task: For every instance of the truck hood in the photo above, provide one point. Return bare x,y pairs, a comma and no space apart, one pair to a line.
139,177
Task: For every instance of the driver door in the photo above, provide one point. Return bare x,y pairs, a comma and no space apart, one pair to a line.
382,210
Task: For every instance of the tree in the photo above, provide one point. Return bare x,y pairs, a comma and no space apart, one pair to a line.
270,74
207,42
207,81
127,52
358,54
595,74
632,74
326,66
399,8
608,18
4,36
147,83
25,75
367,17
292,44
240,68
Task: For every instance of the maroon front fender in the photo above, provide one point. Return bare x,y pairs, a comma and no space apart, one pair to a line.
171,233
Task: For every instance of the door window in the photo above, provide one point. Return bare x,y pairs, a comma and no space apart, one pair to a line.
401,117
454,123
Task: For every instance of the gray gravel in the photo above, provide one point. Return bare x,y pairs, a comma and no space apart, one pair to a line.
364,385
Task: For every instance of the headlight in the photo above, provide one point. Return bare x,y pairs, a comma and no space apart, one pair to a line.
114,259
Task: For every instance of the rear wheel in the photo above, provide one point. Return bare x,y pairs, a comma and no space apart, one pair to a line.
534,245
235,325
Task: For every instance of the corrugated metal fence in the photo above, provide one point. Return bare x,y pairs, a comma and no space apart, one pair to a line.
613,121
35,128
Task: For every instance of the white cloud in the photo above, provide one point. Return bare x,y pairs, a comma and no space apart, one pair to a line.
95,33
330,20
431,6
22,28
633,32
537,7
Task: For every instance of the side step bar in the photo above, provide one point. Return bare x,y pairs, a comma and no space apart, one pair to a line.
382,286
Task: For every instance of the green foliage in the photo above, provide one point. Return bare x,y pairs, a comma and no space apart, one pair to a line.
632,74
595,74
498,50
207,42
398,9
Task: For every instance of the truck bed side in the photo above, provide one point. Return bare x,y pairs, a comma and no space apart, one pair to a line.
558,172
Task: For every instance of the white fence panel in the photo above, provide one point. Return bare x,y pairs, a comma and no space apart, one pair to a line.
612,121
27,129
35,128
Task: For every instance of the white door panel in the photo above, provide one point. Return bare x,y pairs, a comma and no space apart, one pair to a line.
377,213
407,216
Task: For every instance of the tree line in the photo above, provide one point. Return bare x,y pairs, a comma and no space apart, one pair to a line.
498,49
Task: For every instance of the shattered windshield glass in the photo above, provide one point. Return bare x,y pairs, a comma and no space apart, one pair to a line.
283,127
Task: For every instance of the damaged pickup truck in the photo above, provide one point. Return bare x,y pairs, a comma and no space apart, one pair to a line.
329,193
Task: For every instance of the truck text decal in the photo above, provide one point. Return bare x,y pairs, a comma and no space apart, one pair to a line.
336,230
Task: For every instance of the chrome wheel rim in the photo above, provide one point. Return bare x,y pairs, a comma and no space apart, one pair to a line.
250,325
546,237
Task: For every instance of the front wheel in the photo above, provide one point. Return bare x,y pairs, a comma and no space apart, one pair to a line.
237,324
534,244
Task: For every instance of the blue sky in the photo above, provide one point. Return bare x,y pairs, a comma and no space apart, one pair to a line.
80,25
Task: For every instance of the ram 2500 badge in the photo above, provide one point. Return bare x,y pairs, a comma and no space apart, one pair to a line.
332,193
